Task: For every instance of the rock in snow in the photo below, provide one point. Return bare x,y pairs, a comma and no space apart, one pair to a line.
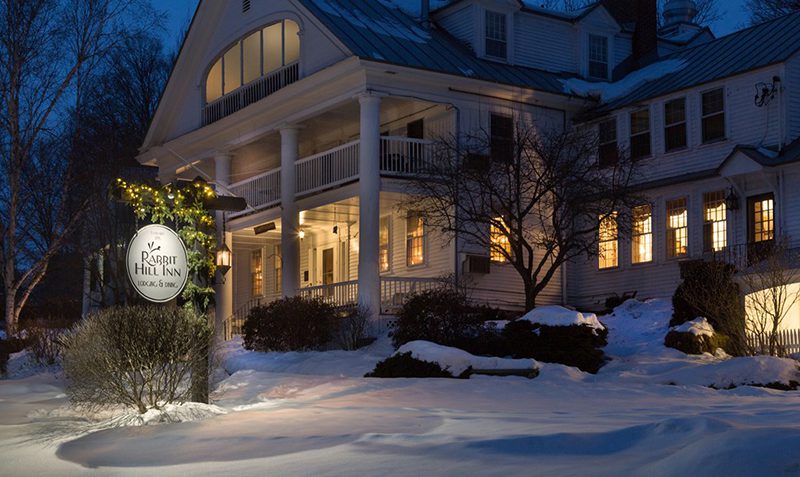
555,315
457,361
698,327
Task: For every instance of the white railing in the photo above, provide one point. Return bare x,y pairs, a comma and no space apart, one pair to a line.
327,169
395,291
250,93
337,294
404,155
260,192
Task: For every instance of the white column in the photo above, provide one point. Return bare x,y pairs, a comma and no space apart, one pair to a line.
369,188
224,283
290,220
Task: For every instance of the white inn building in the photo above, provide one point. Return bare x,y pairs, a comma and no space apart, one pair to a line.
317,111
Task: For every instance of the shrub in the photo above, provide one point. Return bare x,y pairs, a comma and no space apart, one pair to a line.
708,290
289,324
690,343
351,329
44,339
406,366
7,347
140,356
575,345
442,316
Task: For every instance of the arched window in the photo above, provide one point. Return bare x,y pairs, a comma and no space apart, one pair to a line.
258,54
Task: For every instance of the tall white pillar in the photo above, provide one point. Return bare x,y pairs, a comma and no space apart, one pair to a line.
224,283
290,220
369,188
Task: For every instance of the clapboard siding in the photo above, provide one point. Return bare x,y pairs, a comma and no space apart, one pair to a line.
792,92
545,43
745,124
460,23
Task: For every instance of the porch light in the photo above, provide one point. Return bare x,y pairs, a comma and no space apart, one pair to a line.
731,200
224,257
301,234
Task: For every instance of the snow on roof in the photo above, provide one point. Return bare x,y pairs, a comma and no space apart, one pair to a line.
698,327
607,92
387,26
555,315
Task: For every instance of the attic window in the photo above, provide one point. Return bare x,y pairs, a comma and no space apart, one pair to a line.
496,42
245,6
598,57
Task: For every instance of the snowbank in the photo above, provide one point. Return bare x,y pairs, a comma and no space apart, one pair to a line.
748,370
457,361
698,327
610,91
169,413
555,315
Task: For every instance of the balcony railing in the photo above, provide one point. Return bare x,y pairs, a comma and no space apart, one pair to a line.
250,93
399,156
336,294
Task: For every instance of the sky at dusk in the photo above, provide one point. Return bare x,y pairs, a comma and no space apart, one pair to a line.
179,13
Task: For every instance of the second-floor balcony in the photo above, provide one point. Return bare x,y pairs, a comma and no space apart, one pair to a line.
399,157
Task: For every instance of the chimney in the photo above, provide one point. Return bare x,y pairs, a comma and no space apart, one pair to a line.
645,36
425,11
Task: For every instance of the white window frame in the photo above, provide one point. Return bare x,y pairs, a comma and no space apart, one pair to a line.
485,34
589,60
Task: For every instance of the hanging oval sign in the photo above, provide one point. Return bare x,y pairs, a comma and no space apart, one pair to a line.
157,263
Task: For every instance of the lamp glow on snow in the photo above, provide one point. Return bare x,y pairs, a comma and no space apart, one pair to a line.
224,258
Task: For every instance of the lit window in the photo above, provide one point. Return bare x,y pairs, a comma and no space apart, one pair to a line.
598,57
415,239
714,226
713,115
642,234
640,133
495,34
278,268
500,246
384,244
256,273
762,218
252,57
677,228
675,124
608,154
608,245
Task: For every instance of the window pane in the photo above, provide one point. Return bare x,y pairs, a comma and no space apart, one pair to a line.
675,122
677,228
273,47
501,129
415,236
675,137
214,82
712,102
495,34
598,56
642,235
640,121
675,111
640,133
714,225
256,271
499,242
251,47
608,245
232,62
714,127
608,153
384,244
278,268
762,218
292,38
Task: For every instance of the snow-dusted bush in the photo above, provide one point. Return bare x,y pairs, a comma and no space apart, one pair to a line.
140,356
403,365
572,345
695,337
44,340
289,324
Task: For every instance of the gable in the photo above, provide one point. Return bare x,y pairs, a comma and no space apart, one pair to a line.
215,28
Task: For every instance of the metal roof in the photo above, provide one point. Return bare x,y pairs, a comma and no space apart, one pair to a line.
755,47
375,31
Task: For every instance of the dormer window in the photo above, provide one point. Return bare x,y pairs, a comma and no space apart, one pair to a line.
598,57
258,54
496,42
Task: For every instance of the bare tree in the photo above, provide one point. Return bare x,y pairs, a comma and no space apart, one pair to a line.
764,10
542,192
770,294
47,49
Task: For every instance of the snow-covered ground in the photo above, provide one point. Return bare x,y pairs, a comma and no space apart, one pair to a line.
648,412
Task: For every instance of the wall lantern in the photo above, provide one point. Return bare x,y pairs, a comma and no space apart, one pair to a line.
224,257
731,200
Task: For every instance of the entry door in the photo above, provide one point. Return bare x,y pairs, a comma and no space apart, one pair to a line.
327,267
